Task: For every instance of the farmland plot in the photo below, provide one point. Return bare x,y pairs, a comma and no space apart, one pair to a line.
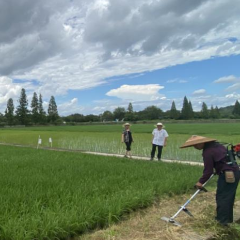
107,138
46,194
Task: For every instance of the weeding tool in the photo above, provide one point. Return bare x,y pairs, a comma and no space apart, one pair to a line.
183,208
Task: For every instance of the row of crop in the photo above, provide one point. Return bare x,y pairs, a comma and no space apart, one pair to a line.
110,142
215,128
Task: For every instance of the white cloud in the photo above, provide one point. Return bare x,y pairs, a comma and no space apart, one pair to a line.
133,93
72,32
199,92
233,96
69,107
8,90
177,81
234,87
227,79
183,81
165,104
75,45
230,79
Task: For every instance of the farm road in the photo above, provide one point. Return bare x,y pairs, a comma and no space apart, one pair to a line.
147,158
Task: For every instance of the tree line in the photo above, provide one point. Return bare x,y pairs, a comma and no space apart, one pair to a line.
37,115
154,113
21,115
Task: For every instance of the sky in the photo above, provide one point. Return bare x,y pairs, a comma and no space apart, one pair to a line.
97,55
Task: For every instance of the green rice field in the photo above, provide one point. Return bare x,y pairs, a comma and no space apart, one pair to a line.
48,195
107,138
53,195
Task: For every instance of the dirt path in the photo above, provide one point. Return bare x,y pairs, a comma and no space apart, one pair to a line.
102,154
146,224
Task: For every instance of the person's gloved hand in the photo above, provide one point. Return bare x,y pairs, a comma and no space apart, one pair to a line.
198,185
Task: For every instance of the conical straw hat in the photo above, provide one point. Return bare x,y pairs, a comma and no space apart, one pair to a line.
193,140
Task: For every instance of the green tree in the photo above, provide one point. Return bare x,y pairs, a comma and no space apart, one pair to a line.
191,112
41,112
22,112
2,120
34,106
236,109
130,115
119,113
214,112
91,118
76,117
107,116
52,110
9,112
204,111
186,109
174,113
130,108
152,113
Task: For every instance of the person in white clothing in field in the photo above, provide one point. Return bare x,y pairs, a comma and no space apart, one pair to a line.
159,140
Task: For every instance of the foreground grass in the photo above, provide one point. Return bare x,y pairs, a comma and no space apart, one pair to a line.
51,195
107,138
146,223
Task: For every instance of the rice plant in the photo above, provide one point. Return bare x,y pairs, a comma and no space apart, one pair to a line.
107,138
53,195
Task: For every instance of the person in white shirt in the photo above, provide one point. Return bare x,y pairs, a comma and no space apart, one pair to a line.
159,140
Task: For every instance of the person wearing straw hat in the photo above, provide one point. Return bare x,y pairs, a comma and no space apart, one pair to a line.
159,140
215,157
127,138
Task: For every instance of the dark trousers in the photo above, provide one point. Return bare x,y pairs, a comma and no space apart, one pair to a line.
225,198
128,146
154,146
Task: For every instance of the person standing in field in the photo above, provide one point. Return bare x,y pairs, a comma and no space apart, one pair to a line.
159,140
215,157
127,138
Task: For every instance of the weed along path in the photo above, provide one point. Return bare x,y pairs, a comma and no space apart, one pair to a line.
146,224
103,154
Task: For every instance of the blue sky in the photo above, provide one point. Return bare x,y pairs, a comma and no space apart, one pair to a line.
97,55
178,81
